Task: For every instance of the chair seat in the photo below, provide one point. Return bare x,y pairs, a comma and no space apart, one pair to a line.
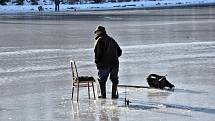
86,79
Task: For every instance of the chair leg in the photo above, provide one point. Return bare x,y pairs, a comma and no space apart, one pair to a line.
72,91
93,91
89,90
78,92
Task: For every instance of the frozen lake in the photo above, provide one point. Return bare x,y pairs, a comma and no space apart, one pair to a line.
35,75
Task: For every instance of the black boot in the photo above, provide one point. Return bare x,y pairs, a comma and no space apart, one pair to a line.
102,89
114,91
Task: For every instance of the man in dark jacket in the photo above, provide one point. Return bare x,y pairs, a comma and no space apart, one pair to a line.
107,52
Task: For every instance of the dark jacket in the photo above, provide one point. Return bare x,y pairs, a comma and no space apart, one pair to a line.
57,2
107,52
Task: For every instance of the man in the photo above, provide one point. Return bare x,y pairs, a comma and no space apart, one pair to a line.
57,5
107,52
158,81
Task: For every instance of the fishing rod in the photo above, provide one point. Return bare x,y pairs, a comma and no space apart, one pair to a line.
127,101
137,86
134,86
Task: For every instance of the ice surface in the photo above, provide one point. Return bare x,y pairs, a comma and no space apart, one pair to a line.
35,75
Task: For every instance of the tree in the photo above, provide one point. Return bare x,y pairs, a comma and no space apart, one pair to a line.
97,1
20,2
3,2
34,2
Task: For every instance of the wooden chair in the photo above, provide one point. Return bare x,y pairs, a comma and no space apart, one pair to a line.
81,81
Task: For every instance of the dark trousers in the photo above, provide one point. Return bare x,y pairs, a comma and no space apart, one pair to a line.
103,76
113,72
57,7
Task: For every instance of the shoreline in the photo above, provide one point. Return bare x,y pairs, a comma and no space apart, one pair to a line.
141,5
96,12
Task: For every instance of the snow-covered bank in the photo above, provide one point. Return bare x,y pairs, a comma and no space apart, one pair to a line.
107,6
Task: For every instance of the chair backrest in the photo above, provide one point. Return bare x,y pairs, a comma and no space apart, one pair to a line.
74,71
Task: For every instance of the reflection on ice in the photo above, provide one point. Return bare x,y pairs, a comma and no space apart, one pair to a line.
155,94
114,110
99,110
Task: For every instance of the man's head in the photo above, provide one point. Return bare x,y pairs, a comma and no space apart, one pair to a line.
99,30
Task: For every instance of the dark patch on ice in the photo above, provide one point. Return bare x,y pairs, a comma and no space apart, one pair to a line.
156,105
140,107
173,113
191,108
189,91
3,109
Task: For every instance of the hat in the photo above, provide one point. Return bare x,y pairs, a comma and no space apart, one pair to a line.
100,28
